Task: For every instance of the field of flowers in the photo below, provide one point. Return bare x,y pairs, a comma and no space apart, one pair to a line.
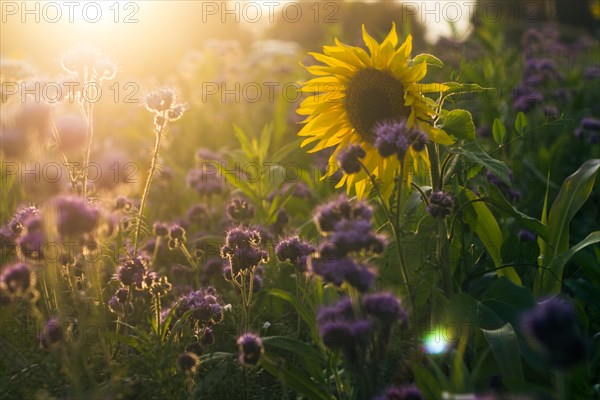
330,209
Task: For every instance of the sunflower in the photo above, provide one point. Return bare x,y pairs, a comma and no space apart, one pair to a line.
354,92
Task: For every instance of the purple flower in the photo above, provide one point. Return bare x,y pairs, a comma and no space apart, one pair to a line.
526,98
349,159
355,236
402,393
327,215
338,271
131,271
204,183
51,334
160,229
591,72
32,239
392,138
197,213
386,307
440,204
294,250
242,248
591,124
525,235
17,278
206,305
251,348
160,100
341,329
75,217
240,210
553,328
188,363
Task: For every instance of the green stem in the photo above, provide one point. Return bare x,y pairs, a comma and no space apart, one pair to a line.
434,158
148,182
86,160
396,234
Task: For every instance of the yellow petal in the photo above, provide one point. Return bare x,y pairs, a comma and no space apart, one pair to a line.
371,43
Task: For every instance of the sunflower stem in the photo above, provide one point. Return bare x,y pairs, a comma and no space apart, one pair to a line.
397,238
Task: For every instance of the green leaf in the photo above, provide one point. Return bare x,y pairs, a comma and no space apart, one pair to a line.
463,310
499,131
455,88
557,265
294,377
573,194
497,199
218,355
427,383
284,151
475,154
245,143
508,300
505,347
310,356
429,59
305,313
482,221
521,123
540,241
459,123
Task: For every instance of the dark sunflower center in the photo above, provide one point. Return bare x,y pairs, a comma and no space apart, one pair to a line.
374,96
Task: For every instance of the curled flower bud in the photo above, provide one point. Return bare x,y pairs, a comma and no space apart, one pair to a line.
251,348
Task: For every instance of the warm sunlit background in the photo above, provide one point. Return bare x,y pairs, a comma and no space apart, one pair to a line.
151,36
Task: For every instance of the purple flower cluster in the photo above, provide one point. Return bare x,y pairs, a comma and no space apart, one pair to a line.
351,329
176,236
75,217
440,204
589,127
15,280
353,236
348,230
197,214
395,138
251,348
294,250
401,393
162,102
205,306
204,183
329,214
243,249
240,210
553,329
525,235
132,271
349,159
52,333
32,238
345,269
297,189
